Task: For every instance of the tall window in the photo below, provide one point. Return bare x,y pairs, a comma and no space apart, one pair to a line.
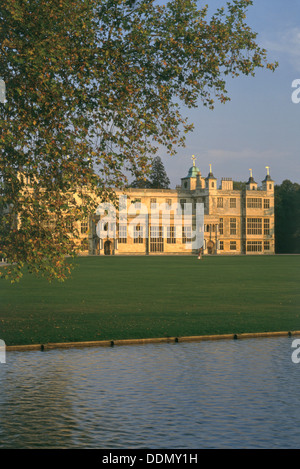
122,234
221,226
266,226
254,226
138,237
156,239
221,245
84,227
171,238
186,234
266,245
233,226
69,226
233,203
266,203
220,202
232,245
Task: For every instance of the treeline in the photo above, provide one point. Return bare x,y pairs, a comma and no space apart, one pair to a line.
287,218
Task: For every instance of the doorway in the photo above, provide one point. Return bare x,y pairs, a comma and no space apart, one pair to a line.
107,248
210,247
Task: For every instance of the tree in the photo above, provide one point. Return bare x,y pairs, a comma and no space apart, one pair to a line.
158,178
93,88
287,217
239,185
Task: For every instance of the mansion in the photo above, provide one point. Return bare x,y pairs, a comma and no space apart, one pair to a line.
198,214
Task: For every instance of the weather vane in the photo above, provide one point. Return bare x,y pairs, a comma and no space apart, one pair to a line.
268,170
250,172
193,158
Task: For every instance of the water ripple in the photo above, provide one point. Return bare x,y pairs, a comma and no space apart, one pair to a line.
224,394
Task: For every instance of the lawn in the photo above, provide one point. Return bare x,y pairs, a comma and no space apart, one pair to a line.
110,298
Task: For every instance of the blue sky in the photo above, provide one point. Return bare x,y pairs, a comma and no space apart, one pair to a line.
260,126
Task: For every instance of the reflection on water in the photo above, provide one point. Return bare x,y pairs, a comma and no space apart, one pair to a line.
223,394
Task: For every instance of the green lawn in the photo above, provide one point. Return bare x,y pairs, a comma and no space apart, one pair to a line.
110,298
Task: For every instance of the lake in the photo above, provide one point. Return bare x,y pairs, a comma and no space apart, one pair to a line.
211,394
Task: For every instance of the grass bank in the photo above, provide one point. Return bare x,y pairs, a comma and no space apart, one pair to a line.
111,298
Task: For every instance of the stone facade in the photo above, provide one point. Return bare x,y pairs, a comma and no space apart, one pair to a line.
235,221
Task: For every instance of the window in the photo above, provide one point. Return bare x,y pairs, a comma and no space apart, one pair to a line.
122,234
221,245
186,234
156,239
266,203
232,245
266,226
69,225
171,239
254,246
221,226
254,203
232,203
266,245
153,201
182,202
83,227
270,186
254,226
232,226
220,202
169,202
138,237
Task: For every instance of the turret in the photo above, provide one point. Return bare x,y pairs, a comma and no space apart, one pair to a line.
210,180
251,184
189,183
268,183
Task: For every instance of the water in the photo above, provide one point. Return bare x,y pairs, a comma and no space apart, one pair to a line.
219,394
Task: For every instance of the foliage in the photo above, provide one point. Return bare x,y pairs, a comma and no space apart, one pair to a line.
239,185
94,87
287,217
158,178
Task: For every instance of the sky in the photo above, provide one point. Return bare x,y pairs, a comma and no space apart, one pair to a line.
260,126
